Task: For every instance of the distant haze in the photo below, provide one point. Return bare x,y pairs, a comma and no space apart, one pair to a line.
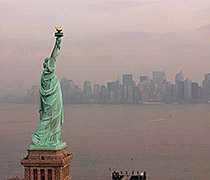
104,38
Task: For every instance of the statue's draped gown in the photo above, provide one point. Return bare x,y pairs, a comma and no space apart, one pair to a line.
48,132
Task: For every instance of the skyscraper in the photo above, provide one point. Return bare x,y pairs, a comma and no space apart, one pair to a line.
206,87
179,76
65,86
128,88
143,78
87,91
127,79
96,93
114,91
179,86
187,90
158,81
104,94
145,88
195,91
167,92
158,77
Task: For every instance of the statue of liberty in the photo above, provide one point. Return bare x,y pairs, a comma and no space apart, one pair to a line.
47,136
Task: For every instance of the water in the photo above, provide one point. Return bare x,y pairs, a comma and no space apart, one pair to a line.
170,142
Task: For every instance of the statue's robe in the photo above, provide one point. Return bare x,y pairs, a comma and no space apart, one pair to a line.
48,132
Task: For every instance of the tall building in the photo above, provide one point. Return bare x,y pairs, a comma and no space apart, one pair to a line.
143,78
127,79
114,91
158,77
130,94
145,88
206,87
179,76
76,94
137,95
96,93
65,87
180,91
167,95
104,94
128,88
195,91
72,94
158,81
87,91
187,90
179,85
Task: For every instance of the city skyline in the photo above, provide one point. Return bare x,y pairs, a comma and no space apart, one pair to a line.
127,90
136,77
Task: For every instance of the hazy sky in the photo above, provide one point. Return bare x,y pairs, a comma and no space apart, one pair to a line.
104,38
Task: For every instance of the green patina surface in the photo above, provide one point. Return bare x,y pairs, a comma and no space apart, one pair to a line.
47,135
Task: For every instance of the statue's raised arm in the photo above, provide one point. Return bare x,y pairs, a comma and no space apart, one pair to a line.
57,46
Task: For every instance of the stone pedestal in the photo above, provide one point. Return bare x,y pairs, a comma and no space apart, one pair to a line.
47,165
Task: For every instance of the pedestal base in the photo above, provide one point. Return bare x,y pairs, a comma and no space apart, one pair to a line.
47,165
